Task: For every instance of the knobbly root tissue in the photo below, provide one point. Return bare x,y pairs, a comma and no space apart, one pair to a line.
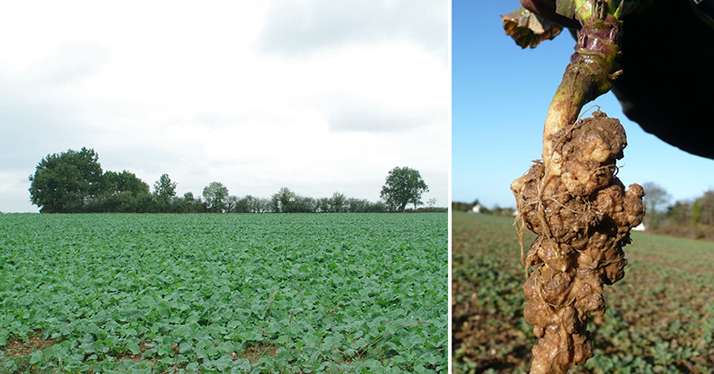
582,215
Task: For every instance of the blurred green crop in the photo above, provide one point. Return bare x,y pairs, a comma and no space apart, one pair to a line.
223,293
660,317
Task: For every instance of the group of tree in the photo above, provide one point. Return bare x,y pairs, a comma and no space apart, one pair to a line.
73,181
460,206
690,218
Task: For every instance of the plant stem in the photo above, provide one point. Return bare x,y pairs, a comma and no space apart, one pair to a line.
588,75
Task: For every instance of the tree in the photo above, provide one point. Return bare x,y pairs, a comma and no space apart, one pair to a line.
164,192
679,213
189,204
283,200
122,192
379,207
248,204
705,207
232,204
357,205
238,205
216,196
403,186
656,198
338,203
304,205
65,182
323,205
124,181
263,205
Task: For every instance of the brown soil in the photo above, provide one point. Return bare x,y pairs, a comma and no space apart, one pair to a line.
254,352
582,215
473,325
35,342
143,346
129,356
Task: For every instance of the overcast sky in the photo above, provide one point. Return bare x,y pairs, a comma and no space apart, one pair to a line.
316,95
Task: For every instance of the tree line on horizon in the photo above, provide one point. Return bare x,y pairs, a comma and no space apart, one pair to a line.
460,206
74,182
690,218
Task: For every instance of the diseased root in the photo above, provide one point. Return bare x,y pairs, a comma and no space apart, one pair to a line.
582,215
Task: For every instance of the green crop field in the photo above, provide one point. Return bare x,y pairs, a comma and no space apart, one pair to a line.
302,293
660,317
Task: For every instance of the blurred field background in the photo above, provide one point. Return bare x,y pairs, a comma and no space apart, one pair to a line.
660,317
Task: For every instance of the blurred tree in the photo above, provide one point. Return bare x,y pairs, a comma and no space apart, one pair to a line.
238,205
250,204
679,213
357,205
656,198
338,203
216,196
164,192
323,204
705,206
232,204
378,207
263,205
189,204
283,201
305,204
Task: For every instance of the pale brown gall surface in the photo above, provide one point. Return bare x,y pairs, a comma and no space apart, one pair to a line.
582,215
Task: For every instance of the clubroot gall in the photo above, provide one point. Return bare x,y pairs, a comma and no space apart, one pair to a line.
582,215
572,200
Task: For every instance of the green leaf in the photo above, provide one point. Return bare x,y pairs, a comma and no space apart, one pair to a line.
36,357
133,347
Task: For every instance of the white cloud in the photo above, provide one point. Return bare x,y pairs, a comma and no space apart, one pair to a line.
195,91
303,26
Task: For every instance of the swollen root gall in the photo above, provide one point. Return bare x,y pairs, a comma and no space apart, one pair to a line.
582,215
